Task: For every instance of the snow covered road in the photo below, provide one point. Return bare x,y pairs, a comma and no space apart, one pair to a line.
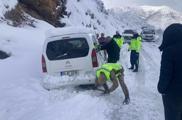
145,101
22,96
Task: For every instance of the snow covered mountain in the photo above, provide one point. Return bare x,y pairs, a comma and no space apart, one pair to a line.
161,17
157,16
99,19
108,21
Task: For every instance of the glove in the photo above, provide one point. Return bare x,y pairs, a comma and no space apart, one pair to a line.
126,101
98,48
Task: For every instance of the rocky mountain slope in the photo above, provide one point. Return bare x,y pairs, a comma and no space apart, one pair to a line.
24,11
76,12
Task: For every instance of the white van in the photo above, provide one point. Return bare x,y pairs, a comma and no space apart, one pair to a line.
69,57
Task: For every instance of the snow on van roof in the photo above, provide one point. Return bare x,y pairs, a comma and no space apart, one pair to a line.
66,31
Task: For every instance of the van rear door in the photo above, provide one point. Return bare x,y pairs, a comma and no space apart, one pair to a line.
68,54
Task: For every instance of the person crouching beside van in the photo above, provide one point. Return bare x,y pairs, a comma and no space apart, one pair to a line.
112,72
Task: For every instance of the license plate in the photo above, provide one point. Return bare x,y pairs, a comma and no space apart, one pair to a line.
69,73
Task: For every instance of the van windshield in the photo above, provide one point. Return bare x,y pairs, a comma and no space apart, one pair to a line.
67,49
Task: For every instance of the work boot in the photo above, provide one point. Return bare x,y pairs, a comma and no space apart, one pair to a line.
136,70
131,68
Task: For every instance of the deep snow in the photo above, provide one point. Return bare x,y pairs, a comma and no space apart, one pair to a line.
22,96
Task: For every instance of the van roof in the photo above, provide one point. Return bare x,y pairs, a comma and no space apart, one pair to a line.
67,30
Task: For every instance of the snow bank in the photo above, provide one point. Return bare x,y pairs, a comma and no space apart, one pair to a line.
23,97
25,46
30,102
67,30
78,107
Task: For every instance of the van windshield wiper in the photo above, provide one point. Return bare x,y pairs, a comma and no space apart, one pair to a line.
60,56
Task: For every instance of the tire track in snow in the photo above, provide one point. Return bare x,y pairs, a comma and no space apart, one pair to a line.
145,103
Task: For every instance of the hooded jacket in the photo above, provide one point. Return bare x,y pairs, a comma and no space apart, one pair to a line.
170,80
172,36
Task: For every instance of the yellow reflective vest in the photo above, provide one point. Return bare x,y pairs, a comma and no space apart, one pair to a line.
107,68
119,41
135,44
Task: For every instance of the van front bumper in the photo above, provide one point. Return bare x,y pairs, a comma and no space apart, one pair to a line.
55,82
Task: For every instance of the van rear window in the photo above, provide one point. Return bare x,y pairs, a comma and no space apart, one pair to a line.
67,49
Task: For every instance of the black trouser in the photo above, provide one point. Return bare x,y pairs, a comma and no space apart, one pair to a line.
112,59
134,59
172,107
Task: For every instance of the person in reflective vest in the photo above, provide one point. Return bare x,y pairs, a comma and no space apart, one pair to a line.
112,72
118,39
135,47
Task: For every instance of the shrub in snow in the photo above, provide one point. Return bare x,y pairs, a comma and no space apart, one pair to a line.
88,25
94,27
92,16
4,55
18,18
101,7
47,10
88,12
98,21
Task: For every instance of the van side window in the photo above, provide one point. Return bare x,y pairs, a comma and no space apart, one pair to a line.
67,49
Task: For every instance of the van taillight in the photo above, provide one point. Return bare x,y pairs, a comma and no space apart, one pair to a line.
44,69
94,58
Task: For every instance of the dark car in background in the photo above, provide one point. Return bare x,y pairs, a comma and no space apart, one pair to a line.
148,34
128,34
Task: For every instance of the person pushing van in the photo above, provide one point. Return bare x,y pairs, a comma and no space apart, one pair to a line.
112,72
112,49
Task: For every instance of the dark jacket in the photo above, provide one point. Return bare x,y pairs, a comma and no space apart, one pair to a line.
170,81
117,36
113,50
102,41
